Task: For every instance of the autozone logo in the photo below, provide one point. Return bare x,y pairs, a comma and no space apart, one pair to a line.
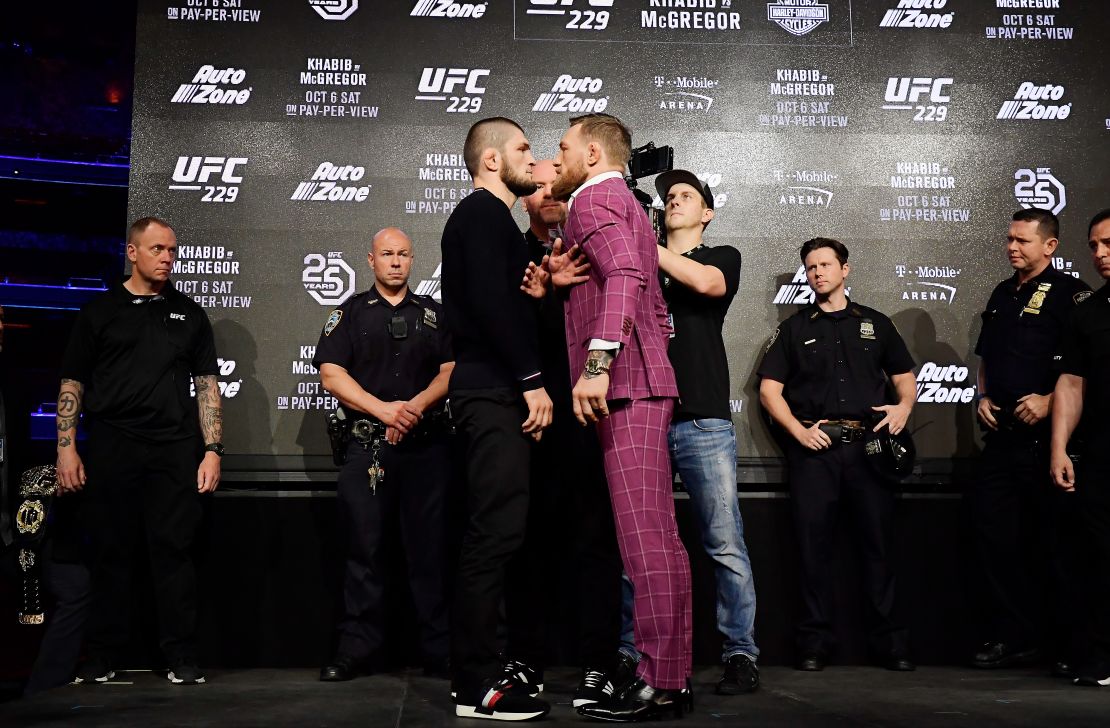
205,87
325,185
927,97
327,278
916,14
432,286
461,88
447,9
1034,102
194,173
573,94
228,390
1040,188
334,9
944,384
797,292
798,17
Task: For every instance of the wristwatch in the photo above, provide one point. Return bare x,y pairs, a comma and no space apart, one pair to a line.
216,447
595,368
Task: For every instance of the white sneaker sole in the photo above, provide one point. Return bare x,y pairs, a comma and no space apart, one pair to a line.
96,680
579,702
469,711
178,681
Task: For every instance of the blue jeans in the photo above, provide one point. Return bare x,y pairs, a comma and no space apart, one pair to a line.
704,454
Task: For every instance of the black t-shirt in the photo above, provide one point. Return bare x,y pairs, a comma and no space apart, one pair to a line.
136,357
1085,352
835,365
1019,342
493,323
551,319
362,337
697,348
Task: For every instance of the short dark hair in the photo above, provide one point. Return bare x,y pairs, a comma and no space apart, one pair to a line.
837,247
608,131
139,226
492,132
1102,216
1048,225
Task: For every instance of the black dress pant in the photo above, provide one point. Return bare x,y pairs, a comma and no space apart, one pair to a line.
410,499
69,586
1022,545
498,456
570,548
1093,502
819,483
136,489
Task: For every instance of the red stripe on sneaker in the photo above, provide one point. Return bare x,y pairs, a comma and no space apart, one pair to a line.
490,701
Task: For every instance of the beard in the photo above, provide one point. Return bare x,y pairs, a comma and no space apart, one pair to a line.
568,180
519,183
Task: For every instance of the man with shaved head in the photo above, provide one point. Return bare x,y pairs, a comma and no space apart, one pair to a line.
386,356
499,405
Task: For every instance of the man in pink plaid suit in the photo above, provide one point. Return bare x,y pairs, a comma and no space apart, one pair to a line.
617,335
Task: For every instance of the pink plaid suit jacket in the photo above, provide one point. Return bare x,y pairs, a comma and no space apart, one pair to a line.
622,300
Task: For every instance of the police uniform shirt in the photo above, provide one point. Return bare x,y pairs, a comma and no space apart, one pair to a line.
136,357
1019,340
1085,352
697,349
362,336
835,365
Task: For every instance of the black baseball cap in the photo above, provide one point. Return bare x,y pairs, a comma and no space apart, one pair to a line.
667,180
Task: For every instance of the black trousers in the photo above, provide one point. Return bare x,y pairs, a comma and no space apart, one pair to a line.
411,500
570,548
1093,501
69,586
1022,531
138,489
498,457
819,483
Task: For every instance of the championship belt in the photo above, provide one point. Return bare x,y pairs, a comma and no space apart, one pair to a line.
36,490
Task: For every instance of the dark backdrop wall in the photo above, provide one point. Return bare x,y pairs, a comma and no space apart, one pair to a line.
278,136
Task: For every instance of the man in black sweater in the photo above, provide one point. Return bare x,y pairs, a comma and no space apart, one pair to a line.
499,404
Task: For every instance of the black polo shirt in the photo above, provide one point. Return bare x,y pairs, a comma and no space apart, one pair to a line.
697,349
835,365
1020,338
1085,352
362,337
136,357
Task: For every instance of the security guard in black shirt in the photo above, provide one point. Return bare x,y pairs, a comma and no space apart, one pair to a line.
1083,389
825,381
385,355
1016,517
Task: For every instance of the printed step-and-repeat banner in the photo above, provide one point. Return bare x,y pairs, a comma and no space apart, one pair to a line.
278,135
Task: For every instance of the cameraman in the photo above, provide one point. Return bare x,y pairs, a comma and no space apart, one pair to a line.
385,355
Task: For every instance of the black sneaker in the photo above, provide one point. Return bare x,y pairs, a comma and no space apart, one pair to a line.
741,676
492,702
185,672
595,686
518,678
1094,674
93,671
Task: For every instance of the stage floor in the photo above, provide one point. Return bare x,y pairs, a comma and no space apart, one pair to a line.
839,696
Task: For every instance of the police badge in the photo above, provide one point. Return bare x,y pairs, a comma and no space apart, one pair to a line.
867,329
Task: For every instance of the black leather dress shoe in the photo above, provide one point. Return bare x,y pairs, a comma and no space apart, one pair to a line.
898,662
1064,669
1000,654
340,669
811,662
638,701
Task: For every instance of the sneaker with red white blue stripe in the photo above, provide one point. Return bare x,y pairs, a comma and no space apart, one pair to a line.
493,702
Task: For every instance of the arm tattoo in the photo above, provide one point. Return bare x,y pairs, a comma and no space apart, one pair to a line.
209,408
69,411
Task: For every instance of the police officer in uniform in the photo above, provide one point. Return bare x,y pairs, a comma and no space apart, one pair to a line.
825,382
385,355
1083,389
1013,511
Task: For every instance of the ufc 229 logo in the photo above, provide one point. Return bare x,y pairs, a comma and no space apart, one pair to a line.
927,97
194,173
461,88
585,15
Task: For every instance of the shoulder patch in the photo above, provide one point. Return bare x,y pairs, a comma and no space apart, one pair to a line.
1082,296
333,321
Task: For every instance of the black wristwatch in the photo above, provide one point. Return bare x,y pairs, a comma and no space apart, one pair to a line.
216,447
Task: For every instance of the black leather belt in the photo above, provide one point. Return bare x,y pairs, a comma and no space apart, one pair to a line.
841,430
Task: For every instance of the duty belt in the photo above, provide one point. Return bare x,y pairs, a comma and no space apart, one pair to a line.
841,430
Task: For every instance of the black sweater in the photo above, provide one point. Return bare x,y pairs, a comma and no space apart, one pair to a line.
493,323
